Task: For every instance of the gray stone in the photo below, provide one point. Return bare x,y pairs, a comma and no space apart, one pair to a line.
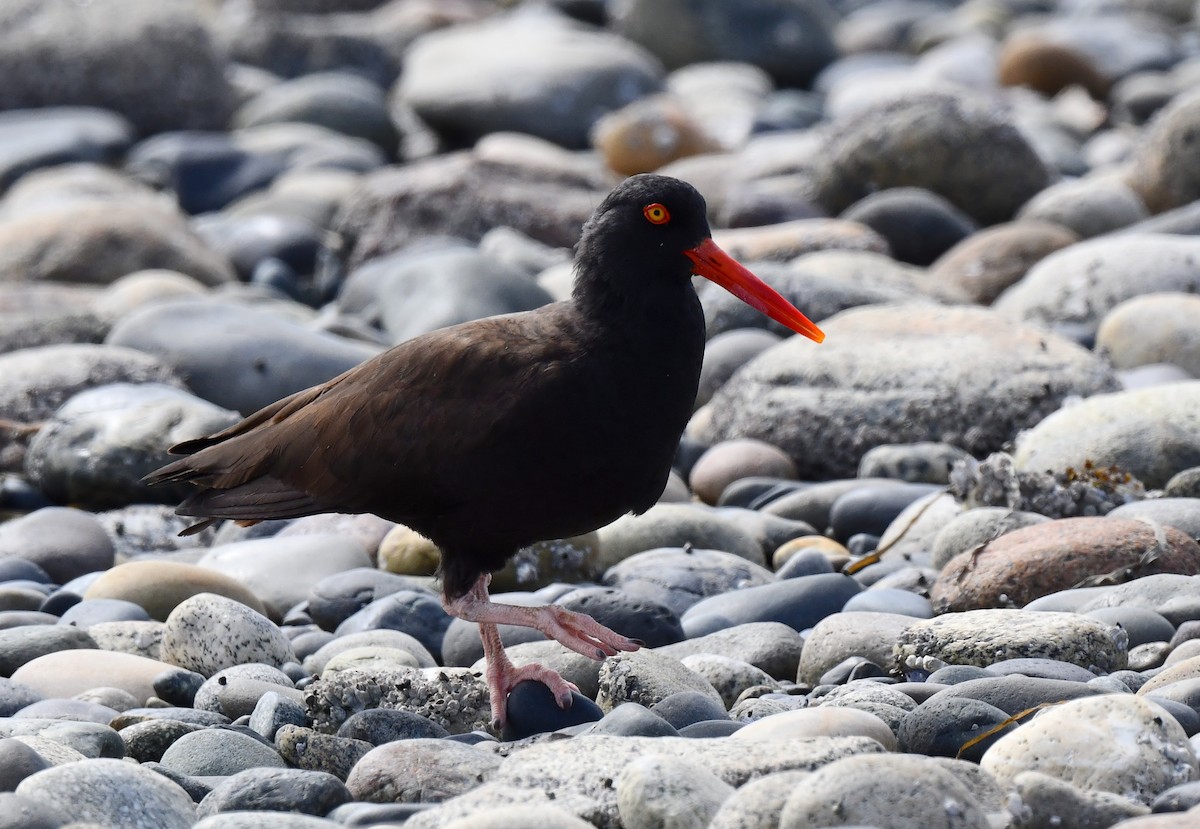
1077,286
114,793
264,820
975,527
30,139
678,578
1079,743
729,676
655,792
63,541
1049,801
673,525
147,740
234,691
132,637
214,752
21,812
920,462
22,644
17,762
981,637
155,63
90,739
207,633
1176,597
757,804
504,74
839,401
1088,206
455,698
841,636
501,806
647,677
972,155
274,710
101,442
260,357
887,790
799,602
420,771
312,751
383,638
271,789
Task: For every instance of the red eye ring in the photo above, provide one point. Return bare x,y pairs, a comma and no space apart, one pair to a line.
656,214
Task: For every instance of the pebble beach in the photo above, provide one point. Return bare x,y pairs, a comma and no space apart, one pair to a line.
940,571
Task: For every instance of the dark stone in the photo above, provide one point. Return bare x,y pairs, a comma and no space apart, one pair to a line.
23,644
205,171
1016,693
629,719
1141,624
954,674
336,598
849,669
871,509
799,603
709,729
531,709
804,563
1177,798
276,790
685,708
17,761
249,240
178,687
19,569
30,139
417,613
146,741
647,621
197,788
384,725
942,726
59,602
1044,668
1184,713
919,225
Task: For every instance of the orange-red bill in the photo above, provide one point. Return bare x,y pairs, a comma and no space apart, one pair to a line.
715,264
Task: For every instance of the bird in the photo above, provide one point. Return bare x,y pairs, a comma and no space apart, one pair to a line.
494,434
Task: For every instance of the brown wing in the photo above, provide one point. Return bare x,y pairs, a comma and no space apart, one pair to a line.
398,429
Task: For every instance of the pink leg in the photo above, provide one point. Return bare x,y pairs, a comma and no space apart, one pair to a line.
576,631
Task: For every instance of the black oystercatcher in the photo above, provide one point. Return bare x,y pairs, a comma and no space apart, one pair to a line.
494,434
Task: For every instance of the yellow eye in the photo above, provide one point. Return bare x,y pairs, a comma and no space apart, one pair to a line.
656,214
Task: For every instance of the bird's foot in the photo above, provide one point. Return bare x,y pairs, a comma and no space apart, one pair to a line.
581,633
504,676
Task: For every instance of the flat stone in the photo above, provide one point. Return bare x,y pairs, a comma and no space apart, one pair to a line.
69,672
981,637
160,586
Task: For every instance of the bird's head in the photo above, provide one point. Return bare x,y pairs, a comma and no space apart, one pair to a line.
654,227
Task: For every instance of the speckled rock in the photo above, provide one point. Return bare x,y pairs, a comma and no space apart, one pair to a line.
839,402
139,638
1075,287
1049,800
114,793
191,640
455,698
1080,742
1155,328
647,677
311,750
921,462
589,765
660,791
160,586
887,790
420,771
981,637
982,266
1149,433
729,676
1046,557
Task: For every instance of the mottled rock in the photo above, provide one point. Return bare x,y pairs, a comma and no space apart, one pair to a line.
975,527
678,578
274,789
981,637
455,698
206,633
1046,557
674,525
771,646
838,403
1078,742
647,677
843,635
659,791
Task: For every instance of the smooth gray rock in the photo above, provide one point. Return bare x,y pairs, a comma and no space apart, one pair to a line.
840,401
420,771
260,357
215,752
276,789
64,542
654,792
